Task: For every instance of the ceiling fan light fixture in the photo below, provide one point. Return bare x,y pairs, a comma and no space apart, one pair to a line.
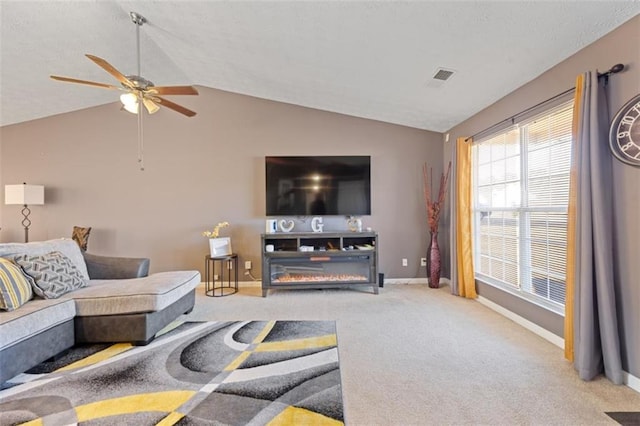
130,102
133,109
151,106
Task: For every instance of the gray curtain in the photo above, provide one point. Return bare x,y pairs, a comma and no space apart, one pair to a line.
596,339
453,236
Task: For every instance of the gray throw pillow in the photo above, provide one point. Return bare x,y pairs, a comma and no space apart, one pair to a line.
54,274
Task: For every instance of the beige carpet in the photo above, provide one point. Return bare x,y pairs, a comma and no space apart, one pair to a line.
419,356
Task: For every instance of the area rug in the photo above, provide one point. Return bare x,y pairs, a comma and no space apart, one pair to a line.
220,373
625,418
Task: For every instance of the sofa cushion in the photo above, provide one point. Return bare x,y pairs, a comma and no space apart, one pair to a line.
54,274
15,287
66,246
33,318
135,295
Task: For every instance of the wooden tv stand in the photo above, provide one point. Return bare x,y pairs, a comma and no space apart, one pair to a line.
319,260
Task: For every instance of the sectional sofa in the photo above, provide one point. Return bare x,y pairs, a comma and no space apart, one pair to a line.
117,301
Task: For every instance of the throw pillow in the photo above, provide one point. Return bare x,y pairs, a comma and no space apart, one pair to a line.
54,274
81,236
15,288
66,246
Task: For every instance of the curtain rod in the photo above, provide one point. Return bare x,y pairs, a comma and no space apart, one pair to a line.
613,70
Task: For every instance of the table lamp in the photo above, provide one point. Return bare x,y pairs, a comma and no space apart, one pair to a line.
24,195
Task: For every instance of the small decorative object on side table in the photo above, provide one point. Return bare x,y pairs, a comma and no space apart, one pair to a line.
218,246
213,285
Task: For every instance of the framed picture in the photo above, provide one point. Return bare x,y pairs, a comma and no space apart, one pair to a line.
220,246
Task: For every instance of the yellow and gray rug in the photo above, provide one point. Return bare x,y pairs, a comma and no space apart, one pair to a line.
221,373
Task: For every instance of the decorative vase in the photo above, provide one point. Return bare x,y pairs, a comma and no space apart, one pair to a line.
434,262
220,246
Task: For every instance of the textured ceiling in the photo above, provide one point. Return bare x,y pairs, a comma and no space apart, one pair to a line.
367,59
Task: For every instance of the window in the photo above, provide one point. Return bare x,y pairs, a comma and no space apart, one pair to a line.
521,193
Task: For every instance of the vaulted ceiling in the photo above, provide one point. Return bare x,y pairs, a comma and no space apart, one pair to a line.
367,59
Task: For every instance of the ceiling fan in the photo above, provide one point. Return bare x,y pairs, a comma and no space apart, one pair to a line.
138,90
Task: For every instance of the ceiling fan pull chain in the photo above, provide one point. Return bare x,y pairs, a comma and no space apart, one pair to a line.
140,136
139,20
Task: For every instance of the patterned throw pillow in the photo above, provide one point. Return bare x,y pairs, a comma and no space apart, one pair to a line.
81,236
54,274
15,288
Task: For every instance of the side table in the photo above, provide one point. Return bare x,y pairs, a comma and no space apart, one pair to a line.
211,284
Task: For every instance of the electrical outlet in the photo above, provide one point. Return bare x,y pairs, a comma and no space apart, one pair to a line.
229,264
423,261
247,264
405,262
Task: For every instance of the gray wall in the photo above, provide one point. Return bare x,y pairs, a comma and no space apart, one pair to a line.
619,46
204,170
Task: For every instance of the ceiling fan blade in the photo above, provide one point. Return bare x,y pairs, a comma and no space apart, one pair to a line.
88,83
173,90
111,70
174,106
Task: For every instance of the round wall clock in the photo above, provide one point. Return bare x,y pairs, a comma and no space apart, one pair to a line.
624,133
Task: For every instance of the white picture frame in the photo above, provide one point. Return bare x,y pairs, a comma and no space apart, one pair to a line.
220,246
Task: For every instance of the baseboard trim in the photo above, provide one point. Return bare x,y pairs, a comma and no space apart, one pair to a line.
534,328
250,284
240,284
423,280
443,281
405,281
632,381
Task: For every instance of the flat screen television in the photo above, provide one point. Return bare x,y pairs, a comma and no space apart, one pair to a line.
318,186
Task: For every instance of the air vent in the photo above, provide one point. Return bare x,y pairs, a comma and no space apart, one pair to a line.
442,74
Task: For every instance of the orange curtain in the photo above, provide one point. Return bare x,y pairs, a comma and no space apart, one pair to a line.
464,242
571,227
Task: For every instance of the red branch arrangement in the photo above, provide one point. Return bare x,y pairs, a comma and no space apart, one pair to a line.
433,207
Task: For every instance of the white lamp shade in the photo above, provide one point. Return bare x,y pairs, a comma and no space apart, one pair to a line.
130,102
132,108
24,194
150,106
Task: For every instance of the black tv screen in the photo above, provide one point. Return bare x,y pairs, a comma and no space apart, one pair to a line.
318,186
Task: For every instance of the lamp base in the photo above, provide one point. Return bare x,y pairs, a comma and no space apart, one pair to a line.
26,222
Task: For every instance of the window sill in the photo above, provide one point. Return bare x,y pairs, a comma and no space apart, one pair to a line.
544,304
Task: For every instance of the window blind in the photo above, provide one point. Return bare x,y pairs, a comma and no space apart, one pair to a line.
521,193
